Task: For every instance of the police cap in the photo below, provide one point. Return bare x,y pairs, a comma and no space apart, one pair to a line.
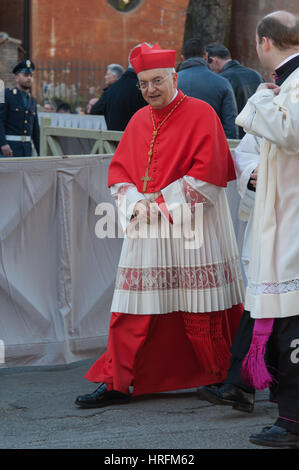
26,66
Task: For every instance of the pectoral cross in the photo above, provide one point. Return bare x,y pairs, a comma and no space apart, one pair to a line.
146,179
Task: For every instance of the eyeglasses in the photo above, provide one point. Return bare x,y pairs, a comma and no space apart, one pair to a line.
155,83
210,60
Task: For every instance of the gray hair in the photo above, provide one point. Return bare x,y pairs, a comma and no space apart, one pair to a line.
170,70
117,69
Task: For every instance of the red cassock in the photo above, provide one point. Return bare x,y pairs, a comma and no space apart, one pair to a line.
173,350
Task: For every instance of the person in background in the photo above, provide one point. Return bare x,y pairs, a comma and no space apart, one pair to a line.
90,104
235,392
270,356
243,80
195,79
121,101
49,108
19,125
113,73
79,110
64,108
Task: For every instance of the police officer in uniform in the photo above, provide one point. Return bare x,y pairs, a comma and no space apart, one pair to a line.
18,115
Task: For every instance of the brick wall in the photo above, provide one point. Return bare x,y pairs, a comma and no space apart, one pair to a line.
94,30
12,18
8,59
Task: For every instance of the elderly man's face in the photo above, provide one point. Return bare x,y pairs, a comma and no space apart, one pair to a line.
157,86
48,108
109,77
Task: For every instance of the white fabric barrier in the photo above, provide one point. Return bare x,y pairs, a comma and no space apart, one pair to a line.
56,276
76,121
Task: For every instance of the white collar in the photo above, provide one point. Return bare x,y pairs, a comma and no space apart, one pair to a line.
174,96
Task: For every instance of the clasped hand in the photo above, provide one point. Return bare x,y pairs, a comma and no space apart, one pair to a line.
144,210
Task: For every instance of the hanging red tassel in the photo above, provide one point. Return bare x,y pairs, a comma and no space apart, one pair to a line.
205,332
254,370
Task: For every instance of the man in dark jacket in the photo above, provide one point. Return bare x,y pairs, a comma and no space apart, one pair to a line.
121,100
195,79
113,73
243,80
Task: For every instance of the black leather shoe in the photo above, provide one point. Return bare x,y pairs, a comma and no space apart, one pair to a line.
275,436
102,397
229,395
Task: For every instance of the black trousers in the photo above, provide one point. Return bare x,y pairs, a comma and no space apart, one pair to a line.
239,350
282,359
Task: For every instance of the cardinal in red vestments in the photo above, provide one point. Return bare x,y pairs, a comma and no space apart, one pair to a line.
177,303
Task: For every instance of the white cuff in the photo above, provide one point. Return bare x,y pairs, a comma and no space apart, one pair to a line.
127,197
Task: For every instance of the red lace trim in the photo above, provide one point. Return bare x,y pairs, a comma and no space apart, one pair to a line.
192,196
150,279
122,191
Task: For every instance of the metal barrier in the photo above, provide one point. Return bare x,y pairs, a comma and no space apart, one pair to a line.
73,81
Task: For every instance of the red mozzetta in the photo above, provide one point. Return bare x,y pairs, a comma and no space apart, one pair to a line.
183,146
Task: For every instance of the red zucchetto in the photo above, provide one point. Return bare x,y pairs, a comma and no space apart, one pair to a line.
145,57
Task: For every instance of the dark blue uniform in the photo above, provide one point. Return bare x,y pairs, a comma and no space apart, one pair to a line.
18,116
